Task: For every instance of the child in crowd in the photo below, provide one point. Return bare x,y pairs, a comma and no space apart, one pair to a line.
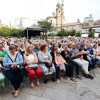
60,62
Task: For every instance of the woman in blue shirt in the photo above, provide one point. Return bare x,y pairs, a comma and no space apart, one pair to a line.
11,60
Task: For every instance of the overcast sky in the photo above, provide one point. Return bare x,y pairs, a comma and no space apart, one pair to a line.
40,9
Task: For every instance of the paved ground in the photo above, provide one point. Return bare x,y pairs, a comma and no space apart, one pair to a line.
66,90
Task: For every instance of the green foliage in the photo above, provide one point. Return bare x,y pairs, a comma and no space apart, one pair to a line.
52,34
72,32
91,34
17,33
78,34
4,31
7,32
41,34
45,24
63,32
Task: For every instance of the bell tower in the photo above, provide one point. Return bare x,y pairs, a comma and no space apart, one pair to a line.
59,15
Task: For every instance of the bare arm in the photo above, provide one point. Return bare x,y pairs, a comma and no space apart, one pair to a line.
36,59
76,55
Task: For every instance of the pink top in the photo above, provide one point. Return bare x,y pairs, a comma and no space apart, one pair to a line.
57,60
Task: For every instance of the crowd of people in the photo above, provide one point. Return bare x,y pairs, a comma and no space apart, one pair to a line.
55,56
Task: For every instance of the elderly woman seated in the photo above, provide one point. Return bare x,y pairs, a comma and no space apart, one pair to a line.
45,62
14,69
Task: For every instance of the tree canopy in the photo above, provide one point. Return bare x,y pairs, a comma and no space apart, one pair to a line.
45,24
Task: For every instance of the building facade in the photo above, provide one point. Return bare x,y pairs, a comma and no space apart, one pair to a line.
57,18
72,26
91,25
24,22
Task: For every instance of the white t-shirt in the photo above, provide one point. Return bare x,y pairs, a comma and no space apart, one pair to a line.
31,57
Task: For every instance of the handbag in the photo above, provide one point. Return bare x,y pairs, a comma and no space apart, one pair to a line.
33,66
47,65
15,69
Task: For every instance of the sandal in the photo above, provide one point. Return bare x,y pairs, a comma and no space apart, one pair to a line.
13,92
78,76
16,93
61,78
67,78
73,80
58,81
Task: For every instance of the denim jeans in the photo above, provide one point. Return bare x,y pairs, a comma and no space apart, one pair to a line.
57,71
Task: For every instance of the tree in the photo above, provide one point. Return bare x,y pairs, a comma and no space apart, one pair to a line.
46,25
17,32
78,34
63,32
72,32
52,34
91,34
7,32
4,31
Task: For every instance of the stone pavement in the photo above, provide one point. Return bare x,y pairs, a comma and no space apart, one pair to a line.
85,89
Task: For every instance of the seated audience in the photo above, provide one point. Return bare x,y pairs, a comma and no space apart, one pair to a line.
77,57
32,65
66,55
36,49
45,62
14,69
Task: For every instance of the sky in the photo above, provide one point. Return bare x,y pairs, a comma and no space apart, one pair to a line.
40,9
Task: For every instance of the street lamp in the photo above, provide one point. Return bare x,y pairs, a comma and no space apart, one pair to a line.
62,4
10,26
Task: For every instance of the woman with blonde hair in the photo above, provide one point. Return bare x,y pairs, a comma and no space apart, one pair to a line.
32,67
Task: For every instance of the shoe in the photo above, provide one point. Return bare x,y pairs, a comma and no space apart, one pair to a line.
85,75
79,77
90,76
53,80
45,81
16,93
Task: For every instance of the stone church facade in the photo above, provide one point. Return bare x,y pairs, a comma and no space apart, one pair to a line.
55,19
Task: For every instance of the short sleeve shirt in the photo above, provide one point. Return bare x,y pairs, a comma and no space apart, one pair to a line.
4,52
76,51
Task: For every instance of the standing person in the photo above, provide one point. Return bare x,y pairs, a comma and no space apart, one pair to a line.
32,60
14,69
45,62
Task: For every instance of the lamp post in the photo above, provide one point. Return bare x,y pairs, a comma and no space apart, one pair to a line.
62,4
10,26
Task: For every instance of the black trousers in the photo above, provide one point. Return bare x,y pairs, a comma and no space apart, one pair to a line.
69,70
15,79
74,64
